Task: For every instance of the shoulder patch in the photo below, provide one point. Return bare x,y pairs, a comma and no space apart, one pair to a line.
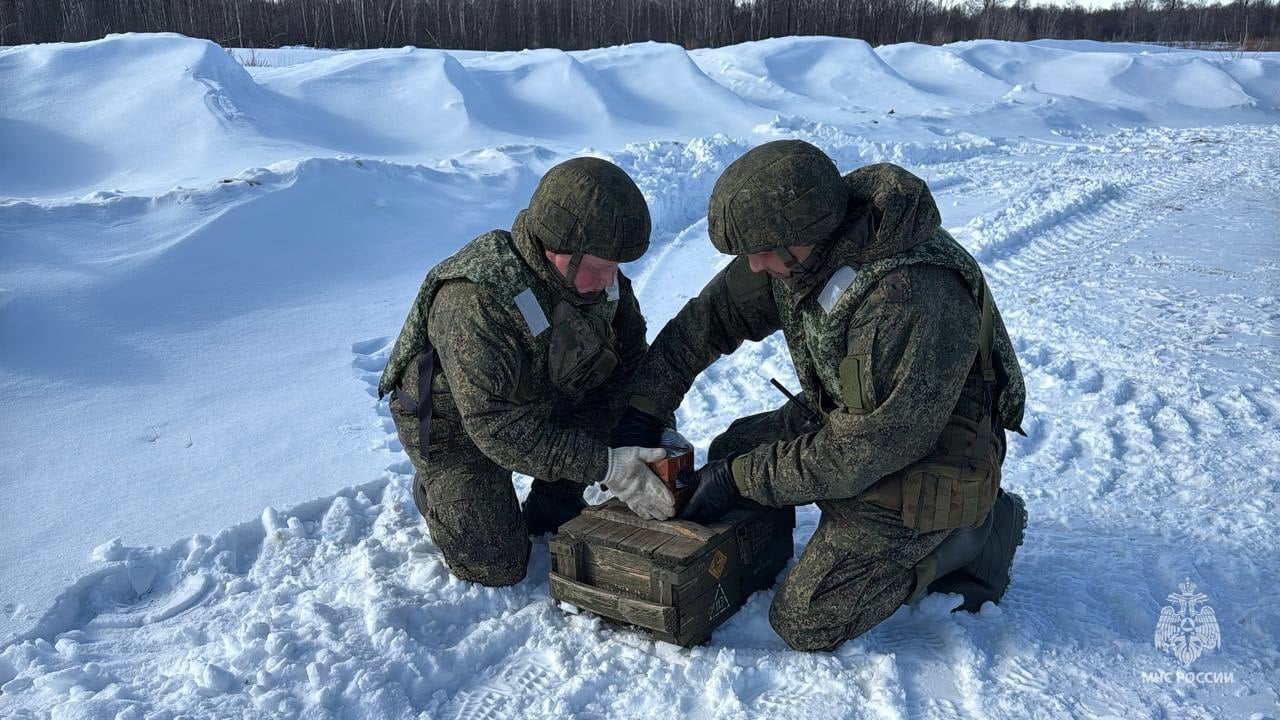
840,281
896,286
529,308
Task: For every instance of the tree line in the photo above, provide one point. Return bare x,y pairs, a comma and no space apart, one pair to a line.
580,24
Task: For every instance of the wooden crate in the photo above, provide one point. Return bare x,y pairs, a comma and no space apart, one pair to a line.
678,580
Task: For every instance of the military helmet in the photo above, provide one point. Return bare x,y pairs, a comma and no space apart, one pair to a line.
590,206
778,194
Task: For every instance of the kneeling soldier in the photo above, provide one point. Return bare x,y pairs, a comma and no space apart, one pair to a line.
908,379
516,356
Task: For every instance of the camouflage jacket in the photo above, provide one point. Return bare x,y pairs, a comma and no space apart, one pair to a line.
493,377
895,310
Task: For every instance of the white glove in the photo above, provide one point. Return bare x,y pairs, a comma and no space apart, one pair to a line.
635,484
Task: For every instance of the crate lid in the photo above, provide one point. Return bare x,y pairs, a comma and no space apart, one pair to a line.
668,542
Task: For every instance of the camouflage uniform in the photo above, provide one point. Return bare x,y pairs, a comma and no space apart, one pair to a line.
885,353
526,375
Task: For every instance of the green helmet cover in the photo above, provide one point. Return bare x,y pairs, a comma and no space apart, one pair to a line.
779,194
590,206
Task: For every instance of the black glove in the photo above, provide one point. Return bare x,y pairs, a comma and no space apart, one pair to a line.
715,493
636,428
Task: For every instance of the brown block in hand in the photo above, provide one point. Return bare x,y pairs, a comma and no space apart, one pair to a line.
669,468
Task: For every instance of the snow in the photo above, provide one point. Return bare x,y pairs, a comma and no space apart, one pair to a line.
206,512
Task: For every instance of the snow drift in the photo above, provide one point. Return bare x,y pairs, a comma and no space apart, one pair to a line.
414,105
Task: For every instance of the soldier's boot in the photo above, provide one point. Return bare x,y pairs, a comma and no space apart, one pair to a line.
958,550
985,577
552,504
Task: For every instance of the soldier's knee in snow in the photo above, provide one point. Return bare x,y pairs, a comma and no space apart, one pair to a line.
506,565
492,576
811,642
805,636
804,628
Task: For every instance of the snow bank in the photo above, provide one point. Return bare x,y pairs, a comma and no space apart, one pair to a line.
829,75
416,106
80,116
185,346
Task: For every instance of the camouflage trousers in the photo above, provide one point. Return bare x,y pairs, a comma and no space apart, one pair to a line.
469,502
858,567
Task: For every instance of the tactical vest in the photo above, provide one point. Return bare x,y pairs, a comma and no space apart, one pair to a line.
550,336
956,484
816,324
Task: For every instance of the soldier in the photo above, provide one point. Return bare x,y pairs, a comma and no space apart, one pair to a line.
908,379
516,356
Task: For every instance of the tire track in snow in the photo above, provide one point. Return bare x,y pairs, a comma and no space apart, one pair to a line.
1044,279
1127,456
1083,201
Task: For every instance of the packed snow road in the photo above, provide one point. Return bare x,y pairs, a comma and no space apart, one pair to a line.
1136,267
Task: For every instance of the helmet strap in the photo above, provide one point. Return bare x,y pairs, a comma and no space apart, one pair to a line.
572,271
794,265
784,254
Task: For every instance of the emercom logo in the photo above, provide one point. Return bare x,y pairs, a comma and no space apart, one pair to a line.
1187,628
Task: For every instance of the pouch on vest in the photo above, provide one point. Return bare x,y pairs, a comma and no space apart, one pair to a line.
855,383
957,484
580,355
953,487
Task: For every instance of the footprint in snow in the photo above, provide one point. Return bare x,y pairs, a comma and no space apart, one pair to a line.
370,358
